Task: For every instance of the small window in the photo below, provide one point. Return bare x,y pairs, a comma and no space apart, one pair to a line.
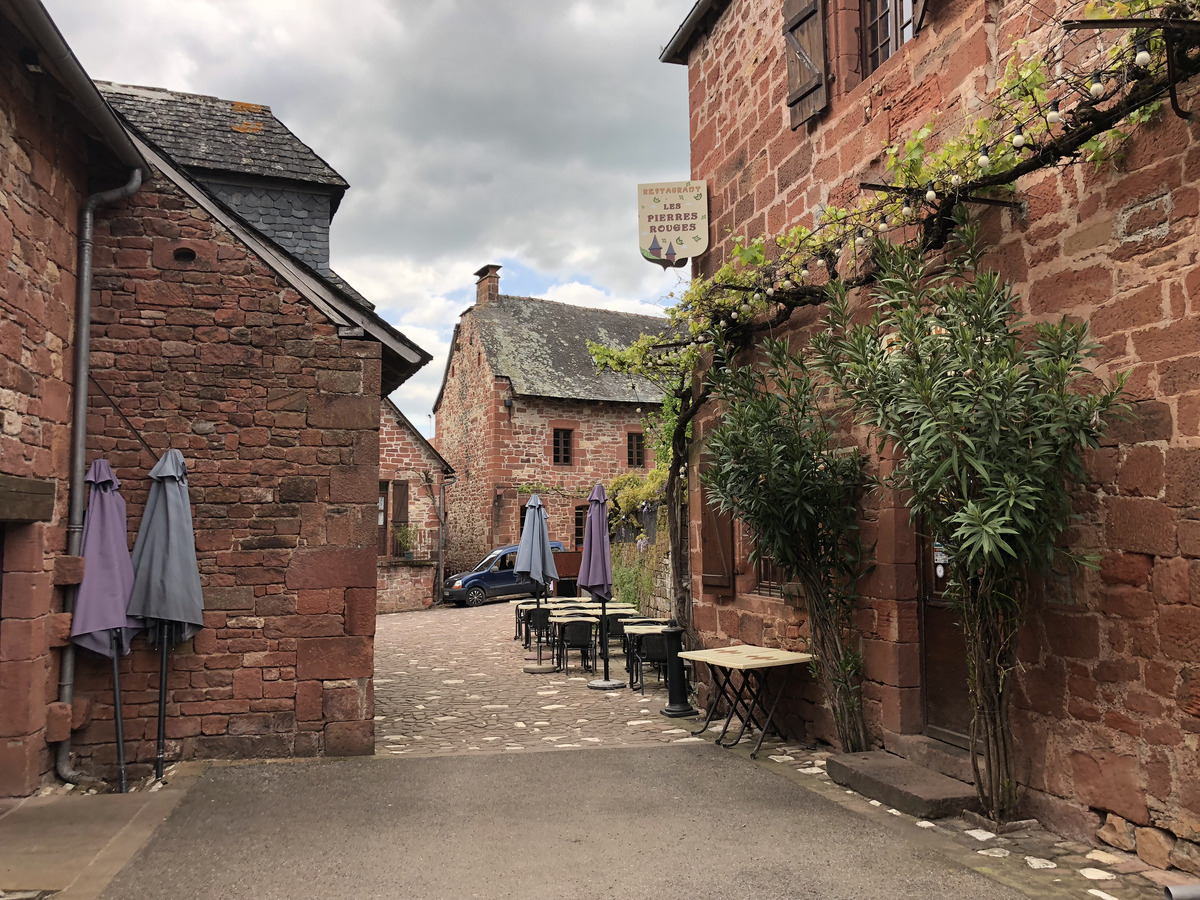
886,26
580,524
636,450
524,512
771,578
382,519
562,446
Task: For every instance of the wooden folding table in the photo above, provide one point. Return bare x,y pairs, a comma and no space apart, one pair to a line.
755,665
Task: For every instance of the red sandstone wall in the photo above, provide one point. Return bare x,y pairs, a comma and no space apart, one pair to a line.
42,177
1109,715
278,421
403,457
495,449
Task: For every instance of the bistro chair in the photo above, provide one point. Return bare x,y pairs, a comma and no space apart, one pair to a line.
537,625
578,636
652,649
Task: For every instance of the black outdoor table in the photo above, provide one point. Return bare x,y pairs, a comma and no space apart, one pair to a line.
755,665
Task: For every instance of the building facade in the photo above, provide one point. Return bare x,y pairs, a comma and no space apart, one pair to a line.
1107,711
412,480
210,336
522,408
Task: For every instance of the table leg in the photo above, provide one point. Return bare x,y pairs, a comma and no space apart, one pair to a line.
717,672
733,710
748,680
771,715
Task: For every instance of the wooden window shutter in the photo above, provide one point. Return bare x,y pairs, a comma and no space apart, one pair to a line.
804,35
399,502
716,550
918,19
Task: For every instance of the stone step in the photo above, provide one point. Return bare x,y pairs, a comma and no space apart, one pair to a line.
901,784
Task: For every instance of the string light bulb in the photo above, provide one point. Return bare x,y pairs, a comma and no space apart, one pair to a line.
1018,137
930,193
1054,116
803,272
820,261
787,284
905,210
1142,57
1096,89
984,159
860,239
883,225
955,179
770,292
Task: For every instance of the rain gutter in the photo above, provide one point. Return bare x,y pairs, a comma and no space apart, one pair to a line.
703,14
81,352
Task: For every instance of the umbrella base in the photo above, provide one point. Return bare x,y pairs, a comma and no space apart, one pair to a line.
678,712
536,669
605,684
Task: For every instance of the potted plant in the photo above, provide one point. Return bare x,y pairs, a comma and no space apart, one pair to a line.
404,537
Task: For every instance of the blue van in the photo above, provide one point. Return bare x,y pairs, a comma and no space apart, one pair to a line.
492,578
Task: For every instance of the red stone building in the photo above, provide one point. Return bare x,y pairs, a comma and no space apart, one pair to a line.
1108,709
212,331
412,478
523,407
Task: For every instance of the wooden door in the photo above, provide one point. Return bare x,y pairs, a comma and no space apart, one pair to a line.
943,652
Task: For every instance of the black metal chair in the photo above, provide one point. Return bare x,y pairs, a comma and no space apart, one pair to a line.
650,649
578,636
537,625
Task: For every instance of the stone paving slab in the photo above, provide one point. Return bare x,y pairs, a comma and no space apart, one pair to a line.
451,680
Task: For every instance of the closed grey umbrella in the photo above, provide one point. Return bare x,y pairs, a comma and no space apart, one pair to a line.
536,559
595,573
166,578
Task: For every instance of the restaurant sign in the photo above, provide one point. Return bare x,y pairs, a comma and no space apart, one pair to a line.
672,221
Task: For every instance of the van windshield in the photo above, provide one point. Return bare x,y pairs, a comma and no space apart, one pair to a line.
488,561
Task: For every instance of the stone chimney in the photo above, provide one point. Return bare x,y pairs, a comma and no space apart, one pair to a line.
487,288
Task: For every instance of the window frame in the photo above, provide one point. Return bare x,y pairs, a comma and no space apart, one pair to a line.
382,519
635,449
900,16
580,525
562,450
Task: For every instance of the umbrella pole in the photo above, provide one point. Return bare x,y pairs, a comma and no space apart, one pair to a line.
162,700
118,719
539,668
605,683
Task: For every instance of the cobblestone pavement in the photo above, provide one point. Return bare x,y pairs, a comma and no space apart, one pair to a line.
450,680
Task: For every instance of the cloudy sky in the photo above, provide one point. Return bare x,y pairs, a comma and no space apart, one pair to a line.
471,132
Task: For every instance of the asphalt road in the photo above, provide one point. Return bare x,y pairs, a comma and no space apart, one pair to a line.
664,822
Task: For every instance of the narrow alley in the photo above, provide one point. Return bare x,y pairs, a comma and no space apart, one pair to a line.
450,680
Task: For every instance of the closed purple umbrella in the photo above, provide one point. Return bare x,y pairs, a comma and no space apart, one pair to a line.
100,622
595,573
107,571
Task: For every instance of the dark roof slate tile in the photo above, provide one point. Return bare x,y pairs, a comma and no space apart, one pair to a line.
541,347
220,135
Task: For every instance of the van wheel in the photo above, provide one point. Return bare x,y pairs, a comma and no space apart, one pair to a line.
476,597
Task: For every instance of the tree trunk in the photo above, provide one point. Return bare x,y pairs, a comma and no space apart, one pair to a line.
843,685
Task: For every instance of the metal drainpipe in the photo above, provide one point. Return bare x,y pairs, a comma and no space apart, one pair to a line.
83,324
440,575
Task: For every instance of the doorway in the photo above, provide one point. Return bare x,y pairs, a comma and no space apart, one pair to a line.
946,702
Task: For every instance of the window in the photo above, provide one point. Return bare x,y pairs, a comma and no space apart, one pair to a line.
580,524
524,511
771,578
381,544
402,535
886,25
562,446
636,450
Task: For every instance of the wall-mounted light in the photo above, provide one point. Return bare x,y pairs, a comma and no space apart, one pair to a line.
508,402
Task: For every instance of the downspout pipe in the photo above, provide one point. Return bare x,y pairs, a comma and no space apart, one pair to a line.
81,350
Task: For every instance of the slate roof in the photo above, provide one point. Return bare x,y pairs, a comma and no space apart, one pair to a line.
541,347
219,135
